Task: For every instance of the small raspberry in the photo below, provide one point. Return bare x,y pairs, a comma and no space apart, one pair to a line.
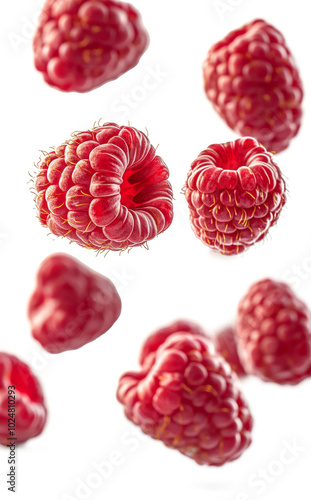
151,344
189,400
82,44
105,189
226,346
274,333
71,305
253,83
235,193
21,401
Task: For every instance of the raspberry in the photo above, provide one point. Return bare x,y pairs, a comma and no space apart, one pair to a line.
189,400
151,344
105,189
225,344
253,83
71,305
80,44
235,193
21,399
274,333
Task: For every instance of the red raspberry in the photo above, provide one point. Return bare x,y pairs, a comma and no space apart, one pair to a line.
105,189
19,387
235,193
274,333
253,83
80,44
226,346
189,400
151,344
71,305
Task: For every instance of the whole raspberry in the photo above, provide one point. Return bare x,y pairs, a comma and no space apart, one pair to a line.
189,400
71,305
105,189
82,44
22,407
253,83
274,333
226,346
235,193
151,344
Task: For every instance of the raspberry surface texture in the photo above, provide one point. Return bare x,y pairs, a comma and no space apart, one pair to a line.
274,333
80,44
253,83
105,189
151,344
71,305
235,193
189,399
226,345
20,396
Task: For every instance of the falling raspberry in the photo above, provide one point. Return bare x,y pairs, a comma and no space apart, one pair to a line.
274,333
253,83
80,44
235,193
105,189
27,410
71,305
188,398
226,346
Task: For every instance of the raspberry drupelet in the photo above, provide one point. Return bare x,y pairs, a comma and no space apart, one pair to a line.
235,193
189,399
252,80
274,333
105,189
80,44
226,345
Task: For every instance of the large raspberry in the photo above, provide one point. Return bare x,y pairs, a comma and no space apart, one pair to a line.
235,193
151,344
253,83
189,400
81,44
71,305
274,333
22,406
226,346
105,189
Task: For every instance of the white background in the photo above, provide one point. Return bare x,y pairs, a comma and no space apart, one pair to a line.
177,277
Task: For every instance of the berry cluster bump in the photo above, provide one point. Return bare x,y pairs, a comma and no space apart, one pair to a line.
21,399
81,44
274,333
71,305
253,83
226,345
189,399
105,189
235,193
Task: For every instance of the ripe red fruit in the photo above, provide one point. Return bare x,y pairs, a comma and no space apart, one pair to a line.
253,83
151,344
235,193
105,189
189,400
21,401
274,333
71,305
226,346
82,44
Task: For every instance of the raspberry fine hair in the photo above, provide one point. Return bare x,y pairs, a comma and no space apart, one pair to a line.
105,189
235,194
252,80
71,305
80,44
30,412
